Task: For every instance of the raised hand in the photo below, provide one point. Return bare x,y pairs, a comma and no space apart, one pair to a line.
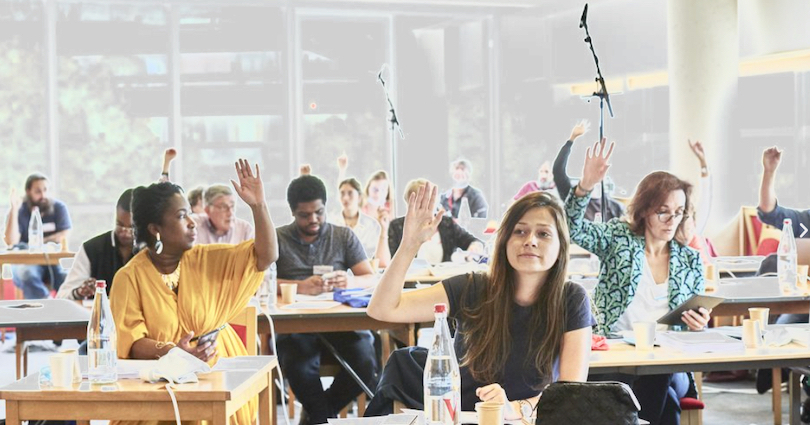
383,218
15,200
169,155
697,149
771,158
596,165
420,221
581,128
343,162
250,187
304,170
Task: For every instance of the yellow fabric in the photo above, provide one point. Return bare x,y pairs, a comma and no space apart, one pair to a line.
216,283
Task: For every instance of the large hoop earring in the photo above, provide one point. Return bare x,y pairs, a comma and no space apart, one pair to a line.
158,245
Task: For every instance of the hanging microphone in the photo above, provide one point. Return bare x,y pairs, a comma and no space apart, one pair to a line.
584,16
379,74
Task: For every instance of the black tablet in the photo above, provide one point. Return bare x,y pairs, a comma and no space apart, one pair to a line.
693,303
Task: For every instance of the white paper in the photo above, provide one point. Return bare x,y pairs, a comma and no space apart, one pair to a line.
317,305
326,296
131,369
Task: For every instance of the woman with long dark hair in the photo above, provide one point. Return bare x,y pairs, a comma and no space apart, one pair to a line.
521,325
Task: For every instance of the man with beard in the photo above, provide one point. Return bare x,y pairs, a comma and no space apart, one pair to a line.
316,255
100,257
461,171
55,225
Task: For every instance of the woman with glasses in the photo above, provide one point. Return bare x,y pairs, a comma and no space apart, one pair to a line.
644,272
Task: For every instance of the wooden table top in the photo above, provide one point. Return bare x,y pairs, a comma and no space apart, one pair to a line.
42,313
26,257
624,357
219,385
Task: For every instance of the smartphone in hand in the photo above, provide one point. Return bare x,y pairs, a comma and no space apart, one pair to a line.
207,337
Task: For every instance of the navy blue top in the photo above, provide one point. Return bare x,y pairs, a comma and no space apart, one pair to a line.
519,378
57,221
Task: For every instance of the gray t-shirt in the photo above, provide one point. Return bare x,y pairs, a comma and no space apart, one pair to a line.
336,246
519,378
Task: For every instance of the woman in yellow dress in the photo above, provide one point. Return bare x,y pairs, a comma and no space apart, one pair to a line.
172,290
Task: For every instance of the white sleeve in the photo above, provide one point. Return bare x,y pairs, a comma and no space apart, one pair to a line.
79,272
705,205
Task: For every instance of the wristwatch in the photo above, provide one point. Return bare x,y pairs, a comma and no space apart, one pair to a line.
526,410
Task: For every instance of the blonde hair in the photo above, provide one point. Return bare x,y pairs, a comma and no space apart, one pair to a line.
414,186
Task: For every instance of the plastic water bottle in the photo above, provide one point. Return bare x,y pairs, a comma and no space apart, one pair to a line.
102,352
442,380
464,214
269,288
786,264
36,237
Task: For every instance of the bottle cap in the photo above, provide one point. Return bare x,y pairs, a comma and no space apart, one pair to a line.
787,221
101,284
440,308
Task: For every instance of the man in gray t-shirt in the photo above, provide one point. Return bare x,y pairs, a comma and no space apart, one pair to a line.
308,247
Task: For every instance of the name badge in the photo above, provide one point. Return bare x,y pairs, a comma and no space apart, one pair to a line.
321,270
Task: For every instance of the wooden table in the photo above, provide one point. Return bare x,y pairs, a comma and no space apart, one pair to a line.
738,265
742,293
216,397
56,319
31,259
623,358
341,318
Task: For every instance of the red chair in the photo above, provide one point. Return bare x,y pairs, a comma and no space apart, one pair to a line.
692,408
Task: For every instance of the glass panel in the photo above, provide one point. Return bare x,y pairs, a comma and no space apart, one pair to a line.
23,98
344,105
233,93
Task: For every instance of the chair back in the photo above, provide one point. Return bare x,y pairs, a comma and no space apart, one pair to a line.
244,324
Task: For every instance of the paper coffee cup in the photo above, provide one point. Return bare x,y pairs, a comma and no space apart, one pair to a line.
644,333
62,369
288,291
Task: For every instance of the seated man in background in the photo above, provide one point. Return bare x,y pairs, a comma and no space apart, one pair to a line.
102,256
219,224
461,171
770,212
448,238
307,246
55,225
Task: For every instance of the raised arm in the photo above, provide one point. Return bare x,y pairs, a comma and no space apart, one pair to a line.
560,168
704,206
383,253
168,157
771,158
251,189
594,237
343,164
12,235
388,303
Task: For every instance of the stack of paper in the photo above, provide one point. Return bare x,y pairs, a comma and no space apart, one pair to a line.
699,342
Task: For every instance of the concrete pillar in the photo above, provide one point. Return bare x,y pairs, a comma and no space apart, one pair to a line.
703,69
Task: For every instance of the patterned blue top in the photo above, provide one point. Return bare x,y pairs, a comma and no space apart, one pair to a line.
621,253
